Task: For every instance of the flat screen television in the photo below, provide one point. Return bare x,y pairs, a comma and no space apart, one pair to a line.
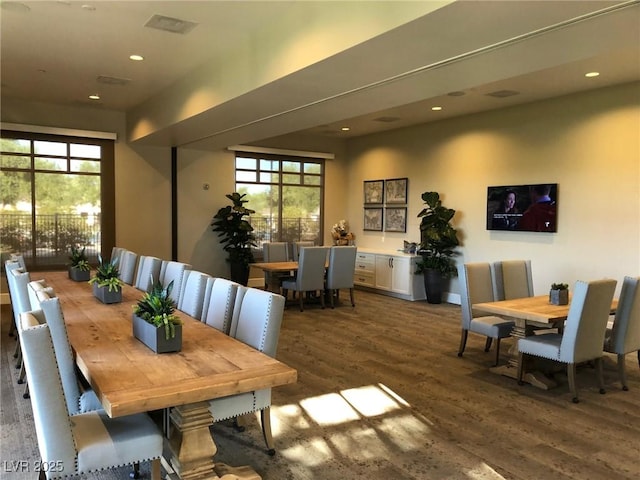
524,208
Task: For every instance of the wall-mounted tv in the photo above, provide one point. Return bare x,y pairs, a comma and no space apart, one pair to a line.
525,208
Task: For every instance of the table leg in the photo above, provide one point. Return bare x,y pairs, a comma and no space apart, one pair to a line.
191,447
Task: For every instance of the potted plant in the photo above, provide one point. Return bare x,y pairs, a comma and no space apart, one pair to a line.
79,268
107,286
438,239
559,294
154,321
237,237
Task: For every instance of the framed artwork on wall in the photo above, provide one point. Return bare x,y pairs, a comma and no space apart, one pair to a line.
395,219
373,219
373,192
396,190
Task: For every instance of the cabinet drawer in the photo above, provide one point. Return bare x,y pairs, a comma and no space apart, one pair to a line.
365,262
364,278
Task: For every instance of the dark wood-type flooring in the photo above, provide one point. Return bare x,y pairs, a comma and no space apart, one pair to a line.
381,394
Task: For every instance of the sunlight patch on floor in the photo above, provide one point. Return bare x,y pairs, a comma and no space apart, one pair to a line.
406,431
311,453
370,400
329,409
483,472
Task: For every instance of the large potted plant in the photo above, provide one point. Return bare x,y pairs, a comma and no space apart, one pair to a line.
154,322
79,268
237,238
438,240
107,286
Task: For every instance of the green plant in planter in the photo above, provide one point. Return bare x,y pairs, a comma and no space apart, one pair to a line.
157,308
559,286
107,275
79,259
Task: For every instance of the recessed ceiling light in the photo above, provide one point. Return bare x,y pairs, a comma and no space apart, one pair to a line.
94,97
436,109
345,129
137,58
591,74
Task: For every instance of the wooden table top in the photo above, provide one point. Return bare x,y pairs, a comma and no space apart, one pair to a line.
129,378
276,266
535,309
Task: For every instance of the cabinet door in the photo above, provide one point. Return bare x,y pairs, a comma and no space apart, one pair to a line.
401,275
384,272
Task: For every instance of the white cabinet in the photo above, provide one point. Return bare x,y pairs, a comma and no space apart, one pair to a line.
389,273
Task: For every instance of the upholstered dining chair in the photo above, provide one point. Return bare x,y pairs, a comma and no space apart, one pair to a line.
193,293
583,335
8,266
116,252
171,271
127,266
219,303
342,263
87,442
624,335
258,325
148,272
476,286
18,281
35,286
310,275
275,252
513,279
297,246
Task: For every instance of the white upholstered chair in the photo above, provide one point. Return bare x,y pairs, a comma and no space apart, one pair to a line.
275,252
88,442
219,303
258,325
148,272
171,271
583,335
127,266
310,275
193,293
624,335
476,286
18,281
513,279
116,252
342,262
297,246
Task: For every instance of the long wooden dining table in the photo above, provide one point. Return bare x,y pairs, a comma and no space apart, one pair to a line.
129,378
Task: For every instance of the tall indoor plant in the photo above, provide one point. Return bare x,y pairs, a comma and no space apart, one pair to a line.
237,238
438,240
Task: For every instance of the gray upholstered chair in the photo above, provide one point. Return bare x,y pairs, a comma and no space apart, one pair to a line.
310,275
127,266
583,335
219,303
275,252
18,281
513,279
193,293
258,325
624,336
171,271
476,286
148,272
33,288
342,264
88,442
116,252
297,246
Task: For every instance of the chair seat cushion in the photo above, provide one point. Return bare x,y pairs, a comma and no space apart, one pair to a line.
104,442
546,346
490,326
89,402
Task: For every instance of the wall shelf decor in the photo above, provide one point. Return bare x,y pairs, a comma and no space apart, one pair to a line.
395,219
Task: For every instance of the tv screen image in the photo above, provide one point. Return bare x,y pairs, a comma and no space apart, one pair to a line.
525,208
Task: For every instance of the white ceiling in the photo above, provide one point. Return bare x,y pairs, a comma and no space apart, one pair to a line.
389,60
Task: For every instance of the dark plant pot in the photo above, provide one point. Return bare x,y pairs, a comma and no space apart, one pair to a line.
78,275
105,296
155,337
433,285
239,272
559,297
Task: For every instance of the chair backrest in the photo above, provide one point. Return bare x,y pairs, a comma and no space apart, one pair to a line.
240,293
20,260
148,272
584,330
116,252
297,246
476,286
311,268
342,264
513,279
171,271
18,281
259,320
33,288
128,261
219,303
50,415
275,251
193,293
625,334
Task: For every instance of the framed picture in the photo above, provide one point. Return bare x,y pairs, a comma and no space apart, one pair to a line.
396,190
373,191
373,219
395,219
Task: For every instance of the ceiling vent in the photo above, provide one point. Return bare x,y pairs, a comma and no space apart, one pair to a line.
386,119
502,93
107,80
169,24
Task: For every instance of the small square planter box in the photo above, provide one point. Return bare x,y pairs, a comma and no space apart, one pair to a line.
78,275
105,296
559,297
155,338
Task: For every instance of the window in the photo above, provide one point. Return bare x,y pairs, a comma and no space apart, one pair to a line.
286,193
53,196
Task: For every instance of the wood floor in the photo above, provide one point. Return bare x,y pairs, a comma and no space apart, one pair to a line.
382,394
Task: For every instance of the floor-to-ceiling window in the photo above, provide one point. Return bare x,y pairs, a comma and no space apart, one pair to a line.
53,196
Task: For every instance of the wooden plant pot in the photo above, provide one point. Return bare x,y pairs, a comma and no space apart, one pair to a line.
559,297
105,296
155,338
78,275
